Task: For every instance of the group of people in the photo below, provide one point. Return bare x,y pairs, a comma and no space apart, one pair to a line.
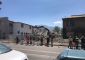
77,42
31,39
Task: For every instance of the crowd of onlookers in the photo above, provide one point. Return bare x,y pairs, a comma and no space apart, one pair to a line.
74,42
32,39
77,42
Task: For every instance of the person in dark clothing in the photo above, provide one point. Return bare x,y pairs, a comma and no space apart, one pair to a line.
27,39
48,41
48,38
17,40
76,41
70,43
79,45
33,38
30,39
52,36
83,42
41,40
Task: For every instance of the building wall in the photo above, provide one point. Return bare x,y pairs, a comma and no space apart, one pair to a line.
5,28
74,26
10,29
21,29
24,29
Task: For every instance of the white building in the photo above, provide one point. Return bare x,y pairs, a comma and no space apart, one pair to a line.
20,29
11,30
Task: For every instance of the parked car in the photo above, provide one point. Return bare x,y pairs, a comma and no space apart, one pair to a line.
7,53
71,54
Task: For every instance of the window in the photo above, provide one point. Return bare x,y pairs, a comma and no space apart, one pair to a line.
22,25
11,32
72,23
29,27
21,33
10,24
4,49
18,32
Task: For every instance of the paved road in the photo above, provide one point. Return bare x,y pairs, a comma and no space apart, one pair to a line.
38,52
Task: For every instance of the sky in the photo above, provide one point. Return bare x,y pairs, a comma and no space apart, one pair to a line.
41,12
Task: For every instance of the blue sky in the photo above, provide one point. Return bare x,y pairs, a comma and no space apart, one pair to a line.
41,12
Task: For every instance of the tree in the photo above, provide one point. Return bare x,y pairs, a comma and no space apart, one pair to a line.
57,29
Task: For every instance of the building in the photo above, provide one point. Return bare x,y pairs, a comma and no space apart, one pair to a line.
20,29
6,27
74,25
10,29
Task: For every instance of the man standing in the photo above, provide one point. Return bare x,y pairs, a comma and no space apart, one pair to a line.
48,38
52,38
76,41
27,39
17,40
30,39
70,42
83,42
41,40
79,45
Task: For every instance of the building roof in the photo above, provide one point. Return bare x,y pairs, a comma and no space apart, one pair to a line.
23,23
76,16
3,18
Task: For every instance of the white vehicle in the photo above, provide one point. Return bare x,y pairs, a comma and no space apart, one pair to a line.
8,54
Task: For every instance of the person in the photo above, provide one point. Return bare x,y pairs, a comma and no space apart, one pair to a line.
30,39
79,45
52,37
17,40
48,38
70,42
22,39
83,42
48,41
41,40
27,39
33,38
76,41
